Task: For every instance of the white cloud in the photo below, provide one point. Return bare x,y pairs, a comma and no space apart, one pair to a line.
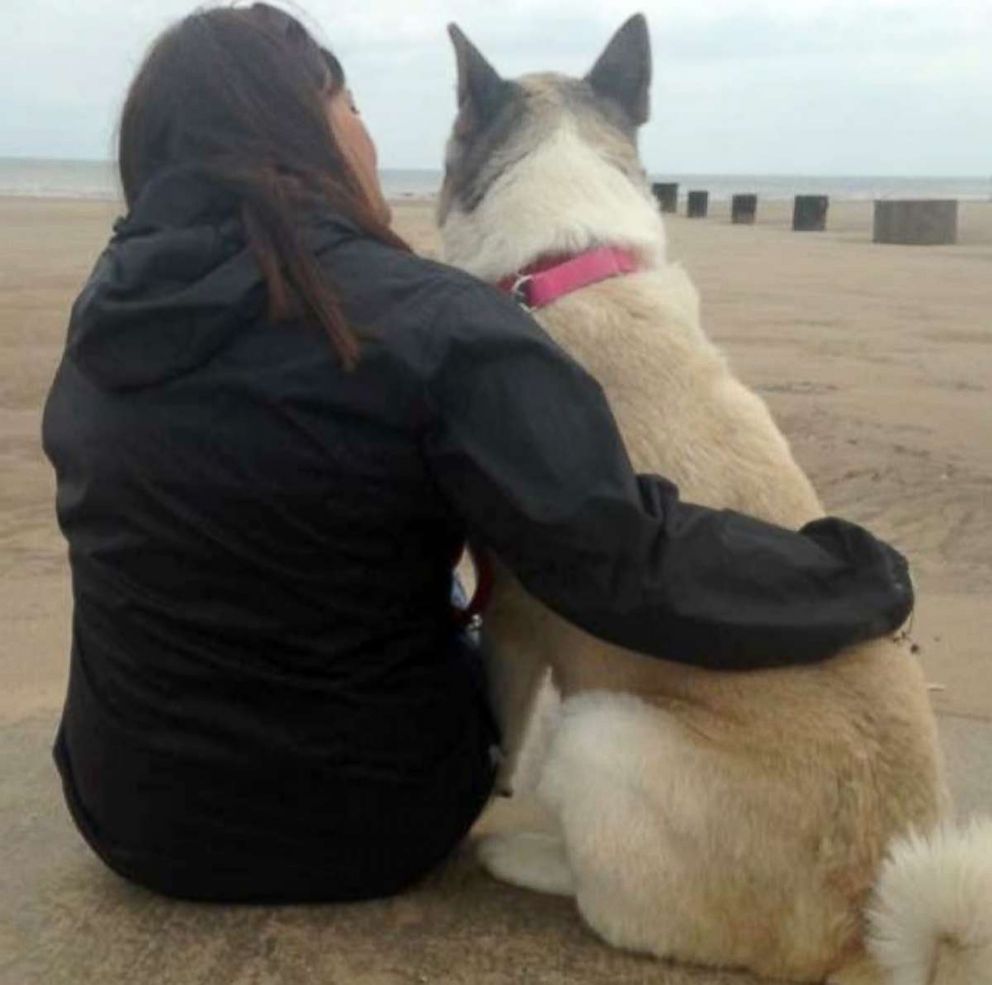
741,85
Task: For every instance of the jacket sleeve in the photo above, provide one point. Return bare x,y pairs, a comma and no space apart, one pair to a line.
526,449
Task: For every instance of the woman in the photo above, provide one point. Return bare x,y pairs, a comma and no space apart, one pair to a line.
272,429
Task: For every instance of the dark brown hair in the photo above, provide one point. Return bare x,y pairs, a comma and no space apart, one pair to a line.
238,95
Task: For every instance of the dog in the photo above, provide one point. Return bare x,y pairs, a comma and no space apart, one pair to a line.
792,822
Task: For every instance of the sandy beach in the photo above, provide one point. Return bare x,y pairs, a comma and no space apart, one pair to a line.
876,360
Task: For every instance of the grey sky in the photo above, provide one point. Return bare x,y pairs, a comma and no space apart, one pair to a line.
749,86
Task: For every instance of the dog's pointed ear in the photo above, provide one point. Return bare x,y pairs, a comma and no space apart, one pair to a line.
481,90
623,71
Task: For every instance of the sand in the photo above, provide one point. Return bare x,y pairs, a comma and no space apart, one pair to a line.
877,361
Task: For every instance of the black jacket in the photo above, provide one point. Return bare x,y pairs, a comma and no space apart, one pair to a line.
260,542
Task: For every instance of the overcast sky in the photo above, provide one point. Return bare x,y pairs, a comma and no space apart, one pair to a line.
746,86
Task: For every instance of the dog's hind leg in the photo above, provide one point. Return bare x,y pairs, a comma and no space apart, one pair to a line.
531,859
641,833
678,852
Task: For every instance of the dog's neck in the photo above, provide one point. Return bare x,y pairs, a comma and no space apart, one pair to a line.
561,200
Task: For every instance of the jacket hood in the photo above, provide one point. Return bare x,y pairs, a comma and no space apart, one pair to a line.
174,285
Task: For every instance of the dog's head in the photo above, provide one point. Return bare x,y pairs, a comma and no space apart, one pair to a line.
544,143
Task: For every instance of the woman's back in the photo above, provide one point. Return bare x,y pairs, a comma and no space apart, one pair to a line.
261,563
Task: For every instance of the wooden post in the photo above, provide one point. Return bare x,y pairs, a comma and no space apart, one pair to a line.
810,213
698,204
919,222
667,193
743,209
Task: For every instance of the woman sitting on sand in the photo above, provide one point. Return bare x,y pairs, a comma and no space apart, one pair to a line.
273,428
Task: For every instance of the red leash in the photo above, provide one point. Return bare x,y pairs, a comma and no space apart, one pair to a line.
471,615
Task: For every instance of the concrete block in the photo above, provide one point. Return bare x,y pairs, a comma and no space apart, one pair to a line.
743,209
810,213
667,193
698,204
918,222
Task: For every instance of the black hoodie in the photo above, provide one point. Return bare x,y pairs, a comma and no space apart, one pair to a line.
263,660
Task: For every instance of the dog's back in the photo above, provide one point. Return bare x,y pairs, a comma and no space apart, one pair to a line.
681,411
808,774
804,777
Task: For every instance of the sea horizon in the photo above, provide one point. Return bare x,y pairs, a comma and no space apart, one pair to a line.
40,177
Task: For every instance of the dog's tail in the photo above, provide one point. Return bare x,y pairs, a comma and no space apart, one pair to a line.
930,921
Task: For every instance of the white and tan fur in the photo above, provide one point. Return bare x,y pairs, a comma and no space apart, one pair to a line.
746,820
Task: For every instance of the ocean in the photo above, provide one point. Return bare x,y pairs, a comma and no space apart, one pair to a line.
45,178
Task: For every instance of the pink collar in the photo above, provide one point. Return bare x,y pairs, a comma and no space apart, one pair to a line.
546,280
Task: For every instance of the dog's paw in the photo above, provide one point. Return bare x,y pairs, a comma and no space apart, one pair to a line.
530,859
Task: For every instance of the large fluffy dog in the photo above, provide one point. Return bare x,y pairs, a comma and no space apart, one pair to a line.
761,820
